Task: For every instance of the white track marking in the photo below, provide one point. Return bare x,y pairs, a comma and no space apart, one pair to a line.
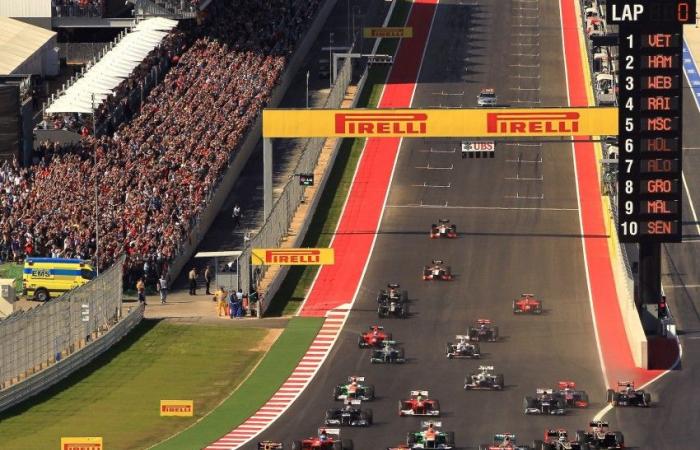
485,208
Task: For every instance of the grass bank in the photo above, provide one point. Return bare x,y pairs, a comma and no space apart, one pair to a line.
299,278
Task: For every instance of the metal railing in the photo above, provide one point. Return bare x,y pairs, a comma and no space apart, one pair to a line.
33,340
276,227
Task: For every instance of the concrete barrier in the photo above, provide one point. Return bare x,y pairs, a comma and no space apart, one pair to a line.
241,156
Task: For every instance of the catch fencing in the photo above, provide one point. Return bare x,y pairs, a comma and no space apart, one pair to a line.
276,227
34,340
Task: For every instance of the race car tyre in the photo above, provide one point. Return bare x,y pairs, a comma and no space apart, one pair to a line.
296,445
484,447
389,337
404,311
369,392
361,342
337,392
338,446
647,399
499,381
450,438
330,413
400,357
529,402
404,297
515,308
619,438
611,396
581,436
538,310
410,439
347,444
494,334
368,415
448,350
380,312
537,445
401,414
436,406
584,398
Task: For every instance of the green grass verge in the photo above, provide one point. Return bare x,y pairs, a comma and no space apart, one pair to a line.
296,284
275,367
13,270
117,396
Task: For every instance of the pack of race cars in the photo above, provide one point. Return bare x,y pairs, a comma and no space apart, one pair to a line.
382,348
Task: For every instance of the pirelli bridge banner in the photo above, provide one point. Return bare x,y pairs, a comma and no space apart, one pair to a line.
293,256
414,123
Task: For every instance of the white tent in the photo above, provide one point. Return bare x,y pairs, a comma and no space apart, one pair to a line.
103,77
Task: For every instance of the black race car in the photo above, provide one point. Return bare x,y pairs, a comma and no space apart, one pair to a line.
484,379
391,302
483,330
627,395
463,348
269,445
349,415
545,402
443,229
354,389
388,354
599,436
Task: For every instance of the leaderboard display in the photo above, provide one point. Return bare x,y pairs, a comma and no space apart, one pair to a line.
650,116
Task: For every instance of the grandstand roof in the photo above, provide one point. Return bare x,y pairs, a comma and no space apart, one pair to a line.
18,42
117,64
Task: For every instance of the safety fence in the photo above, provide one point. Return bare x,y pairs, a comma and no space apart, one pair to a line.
36,339
276,226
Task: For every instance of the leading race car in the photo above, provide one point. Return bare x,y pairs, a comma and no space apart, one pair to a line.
544,402
484,379
374,337
354,389
391,302
418,404
487,97
437,270
557,439
463,348
599,436
349,415
504,441
269,445
527,304
443,229
430,437
483,330
327,439
388,354
572,397
627,395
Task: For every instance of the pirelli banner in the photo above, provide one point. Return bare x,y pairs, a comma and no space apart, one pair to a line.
415,123
81,443
387,32
293,256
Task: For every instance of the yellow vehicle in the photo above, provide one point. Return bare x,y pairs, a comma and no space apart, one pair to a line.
44,278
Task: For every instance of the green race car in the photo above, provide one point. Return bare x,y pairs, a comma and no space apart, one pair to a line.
431,437
354,389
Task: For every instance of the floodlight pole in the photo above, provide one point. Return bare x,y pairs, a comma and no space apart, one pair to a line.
97,220
267,177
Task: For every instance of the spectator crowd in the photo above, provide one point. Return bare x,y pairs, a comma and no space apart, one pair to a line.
155,174
69,8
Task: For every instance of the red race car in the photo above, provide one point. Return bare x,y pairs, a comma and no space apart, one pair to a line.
443,230
437,270
419,405
374,337
527,304
327,439
572,397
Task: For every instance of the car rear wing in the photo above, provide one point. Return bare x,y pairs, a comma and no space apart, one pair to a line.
599,424
527,295
541,391
462,337
426,423
269,445
393,285
625,383
566,384
500,437
388,343
377,327
437,261
483,368
483,321
352,402
330,431
351,378
417,393
444,220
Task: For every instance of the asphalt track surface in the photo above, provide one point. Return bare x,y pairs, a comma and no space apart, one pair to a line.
518,232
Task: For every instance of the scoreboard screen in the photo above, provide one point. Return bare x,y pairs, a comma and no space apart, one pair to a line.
650,115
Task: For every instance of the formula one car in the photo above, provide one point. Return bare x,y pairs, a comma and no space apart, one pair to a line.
599,436
269,445
544,402
327,439
437,270
463,348
557,440
419,405
504,441
572,397
430,437
389,353
374,337
349,415
354,389
484,379
483,330
627,395
443,229
391,302
487,97
527,304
